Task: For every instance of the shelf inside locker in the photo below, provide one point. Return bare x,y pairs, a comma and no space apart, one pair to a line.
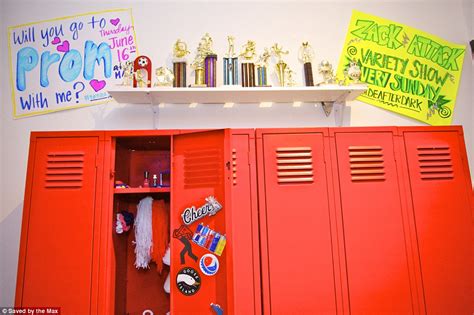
143,190
135,156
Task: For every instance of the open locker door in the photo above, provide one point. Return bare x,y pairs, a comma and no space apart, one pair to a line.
201,223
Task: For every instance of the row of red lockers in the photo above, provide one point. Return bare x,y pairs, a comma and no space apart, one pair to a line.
359,220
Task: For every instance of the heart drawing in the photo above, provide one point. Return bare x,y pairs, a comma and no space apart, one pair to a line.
115,21
97,85
64,47
56,40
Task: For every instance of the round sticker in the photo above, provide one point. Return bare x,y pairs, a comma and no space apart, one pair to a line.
209,264
188,281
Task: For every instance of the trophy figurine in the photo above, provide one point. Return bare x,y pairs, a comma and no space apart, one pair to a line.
306,55
198,66
281,65
180,50
262,65
210,60
248,67
353,72
164,77
289,80
326,71
231,66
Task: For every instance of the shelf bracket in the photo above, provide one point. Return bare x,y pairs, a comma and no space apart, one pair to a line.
154,108
338,105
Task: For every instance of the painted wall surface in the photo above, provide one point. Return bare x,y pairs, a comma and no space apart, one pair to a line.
158,24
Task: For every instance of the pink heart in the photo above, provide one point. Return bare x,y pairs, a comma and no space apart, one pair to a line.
97,85
64,47
115,21
56,40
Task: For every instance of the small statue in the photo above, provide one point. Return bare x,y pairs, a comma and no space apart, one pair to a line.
231,52
289,80
263,59
306,53
164,77
326,71
353,72
127,78
141,75
278,51
206,45
180,49
248,52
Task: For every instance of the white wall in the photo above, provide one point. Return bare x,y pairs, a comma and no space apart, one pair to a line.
158,24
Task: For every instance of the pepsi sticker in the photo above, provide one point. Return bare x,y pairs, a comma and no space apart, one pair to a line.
209,264
188,281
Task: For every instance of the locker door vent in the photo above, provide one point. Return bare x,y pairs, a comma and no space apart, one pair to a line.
367,163
435,162
234,167
203,167
64,170
294,165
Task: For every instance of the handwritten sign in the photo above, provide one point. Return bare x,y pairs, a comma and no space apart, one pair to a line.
68,62
407,71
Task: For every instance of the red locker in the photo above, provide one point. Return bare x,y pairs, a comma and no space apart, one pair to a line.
246,263
369,196
58,255
296,246
439,181
201,168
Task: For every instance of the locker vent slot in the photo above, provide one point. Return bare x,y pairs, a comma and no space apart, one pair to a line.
234,167
64,170
367,163
294,165
435,162
203,167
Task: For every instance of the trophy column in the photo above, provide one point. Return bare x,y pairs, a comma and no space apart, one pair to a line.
262,77
248,74
308,74
231,71
179,71
210,69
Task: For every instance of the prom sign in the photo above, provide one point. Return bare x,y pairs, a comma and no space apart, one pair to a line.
68,62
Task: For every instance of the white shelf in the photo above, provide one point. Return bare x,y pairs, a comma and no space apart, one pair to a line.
330,96
221,95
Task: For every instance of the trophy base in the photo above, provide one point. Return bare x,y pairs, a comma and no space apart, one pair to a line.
198,85
264,86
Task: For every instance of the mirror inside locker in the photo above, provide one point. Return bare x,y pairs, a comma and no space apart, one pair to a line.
141,225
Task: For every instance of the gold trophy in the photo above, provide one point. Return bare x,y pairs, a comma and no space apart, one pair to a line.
180,50
248,66
326,71
306,55
231,67
198,65
281,65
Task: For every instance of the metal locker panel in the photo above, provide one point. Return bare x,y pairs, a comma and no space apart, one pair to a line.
57,267
297,259
201,167
375,246
440,189
246,249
